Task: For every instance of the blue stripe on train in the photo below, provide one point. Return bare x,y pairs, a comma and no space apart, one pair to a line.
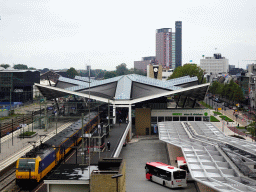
51,157
46,161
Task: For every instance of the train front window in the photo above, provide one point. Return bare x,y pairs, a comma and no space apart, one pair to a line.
27,165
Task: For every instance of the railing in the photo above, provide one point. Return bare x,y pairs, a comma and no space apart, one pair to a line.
121,141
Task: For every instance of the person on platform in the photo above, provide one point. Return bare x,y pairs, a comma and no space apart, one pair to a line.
108,145
99,128
120,121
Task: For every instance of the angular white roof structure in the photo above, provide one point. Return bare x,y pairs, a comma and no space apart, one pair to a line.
214,159
126,89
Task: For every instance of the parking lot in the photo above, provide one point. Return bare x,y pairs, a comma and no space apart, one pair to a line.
136,154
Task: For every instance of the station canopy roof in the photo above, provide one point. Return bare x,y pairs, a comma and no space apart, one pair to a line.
126,89
220,162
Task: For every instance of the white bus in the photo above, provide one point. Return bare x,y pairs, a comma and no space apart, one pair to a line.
182,164
166,175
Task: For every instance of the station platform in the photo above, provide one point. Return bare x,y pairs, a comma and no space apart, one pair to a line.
114,137
12,147
116,133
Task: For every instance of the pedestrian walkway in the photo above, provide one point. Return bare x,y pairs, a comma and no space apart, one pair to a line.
229,129
12,147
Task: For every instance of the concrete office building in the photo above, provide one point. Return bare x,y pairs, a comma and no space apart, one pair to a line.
178,43
169,46
142,65
216,64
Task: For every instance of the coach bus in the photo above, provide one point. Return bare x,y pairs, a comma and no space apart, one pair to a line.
166,175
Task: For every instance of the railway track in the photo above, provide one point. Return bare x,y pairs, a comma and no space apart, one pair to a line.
9,127
7,180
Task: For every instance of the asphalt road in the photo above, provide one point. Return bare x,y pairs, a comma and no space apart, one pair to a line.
136,155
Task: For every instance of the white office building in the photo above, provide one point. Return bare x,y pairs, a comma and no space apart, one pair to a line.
216,64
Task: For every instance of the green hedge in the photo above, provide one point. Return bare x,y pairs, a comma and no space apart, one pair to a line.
27,133
226,118
217,113
205,105
214,119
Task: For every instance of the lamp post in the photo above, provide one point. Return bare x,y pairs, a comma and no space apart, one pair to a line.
75,147
32,121
0,135
116,177
254,131
82,138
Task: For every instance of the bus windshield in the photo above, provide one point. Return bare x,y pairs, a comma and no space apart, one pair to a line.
184,167
27,165
179,174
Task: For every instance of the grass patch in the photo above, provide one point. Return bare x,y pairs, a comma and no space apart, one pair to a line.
214,119
8,117
240,127
27,133
205,105
226,118
217,113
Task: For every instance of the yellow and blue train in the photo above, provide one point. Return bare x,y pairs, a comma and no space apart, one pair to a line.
35,165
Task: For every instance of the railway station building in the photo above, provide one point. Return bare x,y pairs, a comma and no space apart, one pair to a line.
140,100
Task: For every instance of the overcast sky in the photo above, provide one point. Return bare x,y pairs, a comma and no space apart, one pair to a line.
62,34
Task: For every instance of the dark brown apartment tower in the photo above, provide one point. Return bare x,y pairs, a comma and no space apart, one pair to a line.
169,46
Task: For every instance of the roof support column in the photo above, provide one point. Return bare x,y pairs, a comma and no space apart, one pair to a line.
130,120
184,102
194,103
114,114
177,103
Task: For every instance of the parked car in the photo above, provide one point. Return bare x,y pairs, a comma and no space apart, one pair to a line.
225,105
230,106
210,97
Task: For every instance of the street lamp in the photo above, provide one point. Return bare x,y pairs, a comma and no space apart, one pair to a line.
116,176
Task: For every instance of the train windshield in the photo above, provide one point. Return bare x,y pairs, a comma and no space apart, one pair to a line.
27,165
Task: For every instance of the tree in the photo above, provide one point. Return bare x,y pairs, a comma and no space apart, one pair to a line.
121,69
45,70
32,68
20,66
72,72
109,74
224,91
5,65
251,128
238,94
137,71
214,87
100,75
188,69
